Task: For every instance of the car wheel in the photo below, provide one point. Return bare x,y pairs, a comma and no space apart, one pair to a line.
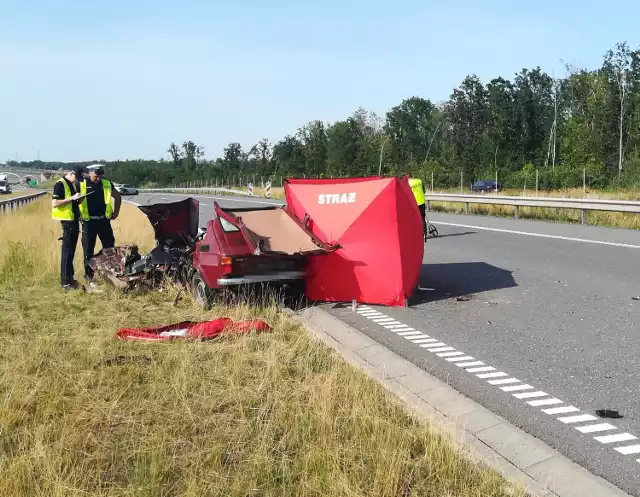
201,292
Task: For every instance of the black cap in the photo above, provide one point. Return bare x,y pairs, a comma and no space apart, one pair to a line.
78,171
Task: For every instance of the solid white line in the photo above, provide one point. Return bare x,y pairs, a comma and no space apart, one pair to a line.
430,345
544,402
620,437
449,354
480,369
629,449
595,428
560,410
484,376
463,358
468,364
578,419
425,340
504,381
442,349
528,395
527,233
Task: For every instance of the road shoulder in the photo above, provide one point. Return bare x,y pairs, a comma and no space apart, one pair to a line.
540,469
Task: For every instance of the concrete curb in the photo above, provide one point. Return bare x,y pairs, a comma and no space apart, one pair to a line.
518,456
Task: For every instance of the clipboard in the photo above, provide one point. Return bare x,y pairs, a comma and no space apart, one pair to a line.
86,195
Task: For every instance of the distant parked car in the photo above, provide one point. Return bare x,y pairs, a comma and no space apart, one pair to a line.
126,189
486,186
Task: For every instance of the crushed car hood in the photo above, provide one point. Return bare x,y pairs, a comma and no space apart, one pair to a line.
174,220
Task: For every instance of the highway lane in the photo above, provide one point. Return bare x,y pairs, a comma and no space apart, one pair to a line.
550,311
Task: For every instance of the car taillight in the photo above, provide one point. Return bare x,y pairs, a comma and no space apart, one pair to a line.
225,264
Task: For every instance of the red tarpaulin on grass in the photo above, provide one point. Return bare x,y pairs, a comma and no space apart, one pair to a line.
377,222
192,330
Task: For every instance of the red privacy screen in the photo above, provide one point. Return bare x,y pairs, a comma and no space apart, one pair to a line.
377,223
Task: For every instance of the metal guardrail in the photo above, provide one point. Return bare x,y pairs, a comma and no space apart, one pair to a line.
197,190
14,203
582,204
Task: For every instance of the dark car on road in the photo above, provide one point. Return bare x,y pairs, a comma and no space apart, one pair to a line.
484,186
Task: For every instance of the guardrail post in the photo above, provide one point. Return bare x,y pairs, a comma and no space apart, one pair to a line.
466,208
428,205
517,215
583,216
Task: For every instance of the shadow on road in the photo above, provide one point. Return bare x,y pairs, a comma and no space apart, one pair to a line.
444,281
453,234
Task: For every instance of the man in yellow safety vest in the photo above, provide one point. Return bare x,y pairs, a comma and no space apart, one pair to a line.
96,214
419,191
64,208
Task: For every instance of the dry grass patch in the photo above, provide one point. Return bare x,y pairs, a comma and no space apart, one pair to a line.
260,415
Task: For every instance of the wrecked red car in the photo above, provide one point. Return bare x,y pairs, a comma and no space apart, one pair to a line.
237,247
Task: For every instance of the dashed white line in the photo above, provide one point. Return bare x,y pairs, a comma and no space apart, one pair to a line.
523,391
497,374
581,418
595,428
515,388
629,449
544,402
529,395
619,437
560,410
505,381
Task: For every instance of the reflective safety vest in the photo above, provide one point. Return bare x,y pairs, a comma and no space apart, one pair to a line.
417,189
84,207
64,212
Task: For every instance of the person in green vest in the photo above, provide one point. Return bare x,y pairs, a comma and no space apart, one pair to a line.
96,213
419,191
64,208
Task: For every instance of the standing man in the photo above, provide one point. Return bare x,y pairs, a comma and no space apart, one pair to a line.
419,191
96,213
64,208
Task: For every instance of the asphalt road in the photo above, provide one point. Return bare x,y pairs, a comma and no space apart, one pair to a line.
543,311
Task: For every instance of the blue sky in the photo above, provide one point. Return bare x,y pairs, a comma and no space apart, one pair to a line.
121,80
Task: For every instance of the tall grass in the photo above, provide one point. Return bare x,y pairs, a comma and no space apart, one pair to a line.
259,415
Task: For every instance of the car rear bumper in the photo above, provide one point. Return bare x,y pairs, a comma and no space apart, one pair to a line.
261,278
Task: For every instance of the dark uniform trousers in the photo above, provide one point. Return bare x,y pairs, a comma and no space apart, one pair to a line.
423,213
70,233
91,230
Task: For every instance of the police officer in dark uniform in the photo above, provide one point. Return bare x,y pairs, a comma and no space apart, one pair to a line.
64,208
96,212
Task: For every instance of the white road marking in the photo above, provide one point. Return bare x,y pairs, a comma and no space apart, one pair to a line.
430,345
463,358
504,381
515,388
544,402
383,320
629,449
620,437
560,410
412,334
449,354
529,395
425,340
442,349
480,369
581,418
399,327
412,338
468,364
528,233
595,428
497,374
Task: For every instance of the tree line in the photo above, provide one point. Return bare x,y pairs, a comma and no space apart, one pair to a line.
585,124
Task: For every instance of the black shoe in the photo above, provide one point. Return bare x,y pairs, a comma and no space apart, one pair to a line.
74,285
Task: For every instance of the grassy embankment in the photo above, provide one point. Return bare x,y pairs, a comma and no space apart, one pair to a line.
16,193
266,414
611,219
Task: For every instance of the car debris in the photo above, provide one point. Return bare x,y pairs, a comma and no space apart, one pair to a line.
205,330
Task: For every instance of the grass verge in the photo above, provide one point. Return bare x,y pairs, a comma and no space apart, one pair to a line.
260,415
